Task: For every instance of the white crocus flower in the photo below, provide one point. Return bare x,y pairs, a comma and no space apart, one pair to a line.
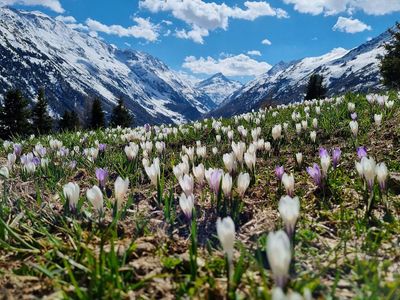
95,196
227,184
187,203
279,256
121,187
288,183
243,182
71,193
289,209
226,235
187,183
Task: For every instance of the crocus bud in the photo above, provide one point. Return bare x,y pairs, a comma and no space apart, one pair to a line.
279,256
288,183
299,158
313,136
229,161
187,183
279,171
71,194
198,173
361,152
378,119
351,107
226,235
250,160
336,153
325,164
381,175
101,175
368,167
289,209
315,174
277,132
354,127
227,184
121,188
4,172
95,196
243,182
153,171
187,203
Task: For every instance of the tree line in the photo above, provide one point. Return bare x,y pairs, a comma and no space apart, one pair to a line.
18,118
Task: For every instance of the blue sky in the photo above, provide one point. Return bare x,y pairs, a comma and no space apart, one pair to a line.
204,37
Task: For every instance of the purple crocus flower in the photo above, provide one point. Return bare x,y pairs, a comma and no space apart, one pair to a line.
336,153
102,147
101,175
215,180
42,151
36,161
279,170
315,174
147,127
323,152
63,151
361,152
17,149
353,116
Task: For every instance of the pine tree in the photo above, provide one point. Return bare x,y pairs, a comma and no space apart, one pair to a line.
97,115
69,121
390,63
120,115
42,122
315,88
14,115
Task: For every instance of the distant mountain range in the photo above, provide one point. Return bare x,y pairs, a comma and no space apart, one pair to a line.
73,67
344,70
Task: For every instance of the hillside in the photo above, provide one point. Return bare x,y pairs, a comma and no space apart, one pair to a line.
133,213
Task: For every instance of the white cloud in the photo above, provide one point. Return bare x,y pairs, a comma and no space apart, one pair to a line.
254,53
266,42
66,19
144,29
350,25
332,7
238,65
203,17
54,5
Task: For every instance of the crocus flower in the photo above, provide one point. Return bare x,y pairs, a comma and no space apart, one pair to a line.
102,147
101,175
378,119
198,173
299,158
71,193
381,175
121,187
226,235
277,132
243,182
315,174
354,127
227,184
187,183
95,196
215,180
353,116
336,153
288,183
279,171
289,209
361,152
229,161
17,149
4,172
279,256
153,171
368,167
187,203
313,136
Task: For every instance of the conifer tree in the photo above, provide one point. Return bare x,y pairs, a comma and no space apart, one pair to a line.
390,62
315,87
120,115
97,115
69,121
42,122
14,115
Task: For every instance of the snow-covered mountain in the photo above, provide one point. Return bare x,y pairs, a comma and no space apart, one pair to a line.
218,87
39,51
343,70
